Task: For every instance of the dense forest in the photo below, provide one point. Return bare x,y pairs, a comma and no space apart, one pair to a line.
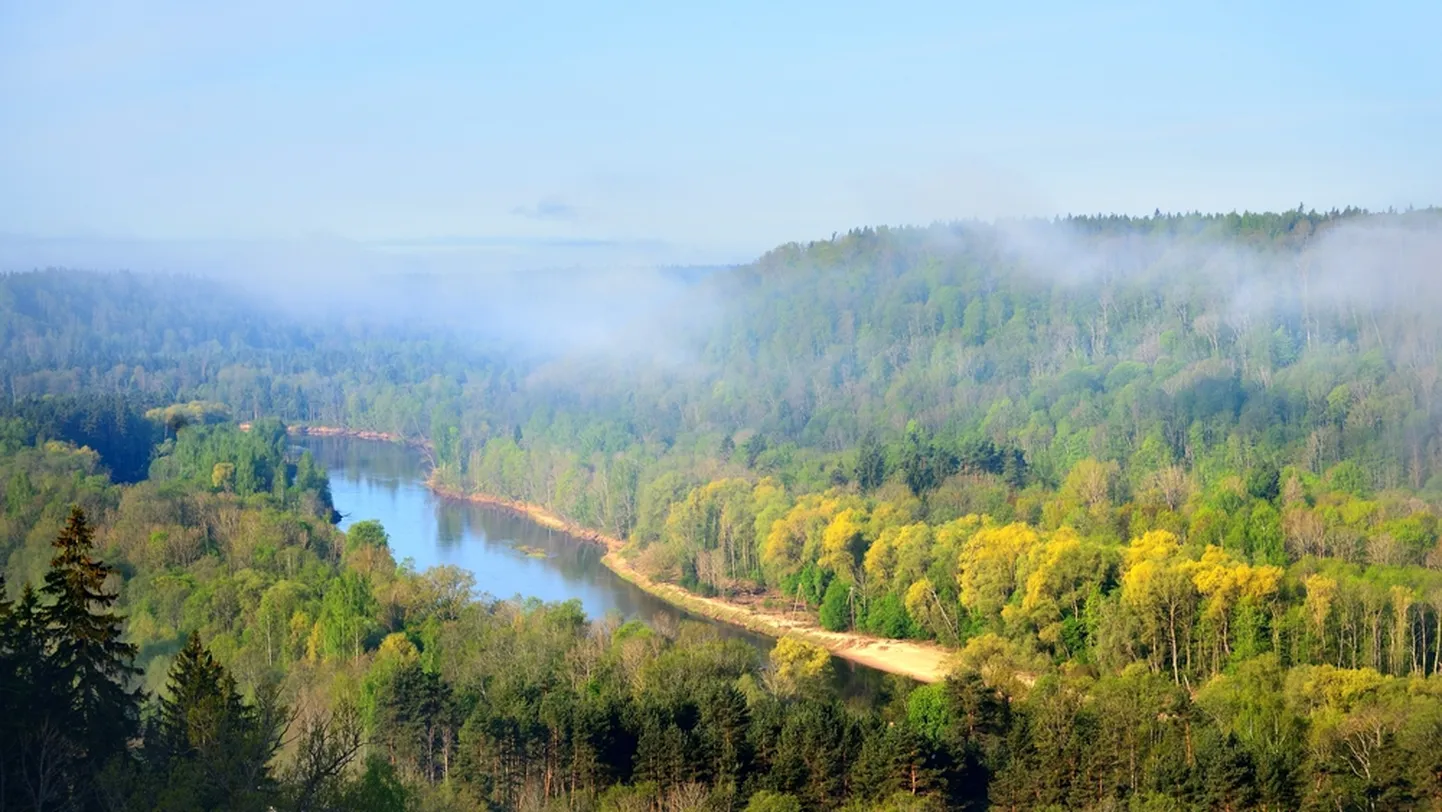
1169,485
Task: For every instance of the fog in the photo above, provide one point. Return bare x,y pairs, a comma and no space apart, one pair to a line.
586,298
1391,262
591,302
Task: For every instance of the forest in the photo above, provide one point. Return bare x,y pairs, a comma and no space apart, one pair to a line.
1168,485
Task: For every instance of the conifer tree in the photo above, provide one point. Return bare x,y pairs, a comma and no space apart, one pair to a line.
7,652
208,748
201,702
87,657
22,647
12,695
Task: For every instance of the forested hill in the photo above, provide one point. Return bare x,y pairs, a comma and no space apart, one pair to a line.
1169,485
1212,341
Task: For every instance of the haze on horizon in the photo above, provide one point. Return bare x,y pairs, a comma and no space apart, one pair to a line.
568,134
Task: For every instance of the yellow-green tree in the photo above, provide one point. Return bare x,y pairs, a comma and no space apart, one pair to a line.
988,566
1157,585
799,667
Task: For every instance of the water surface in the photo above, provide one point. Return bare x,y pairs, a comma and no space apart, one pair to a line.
509,555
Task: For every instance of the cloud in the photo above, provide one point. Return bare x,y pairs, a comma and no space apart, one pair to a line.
550,208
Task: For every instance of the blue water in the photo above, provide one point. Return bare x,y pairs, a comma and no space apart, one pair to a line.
386,481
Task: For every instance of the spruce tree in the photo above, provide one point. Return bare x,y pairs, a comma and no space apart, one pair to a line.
201,703
8,664
39,748
11,688
22,653
87,656
208,749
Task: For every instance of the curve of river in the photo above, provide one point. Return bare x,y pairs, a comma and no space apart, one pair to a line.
509,555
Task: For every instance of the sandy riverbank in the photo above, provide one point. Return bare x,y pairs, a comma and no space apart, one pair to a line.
332,431
921,661
335,431
926,662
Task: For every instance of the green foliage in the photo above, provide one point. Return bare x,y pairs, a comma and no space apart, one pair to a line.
209,748
887,617
379,789
1188,551
835,610
768,801
114,426
67,708
252,463
346,617
366,533
1264,482
87,657
179,415
528,701
870,464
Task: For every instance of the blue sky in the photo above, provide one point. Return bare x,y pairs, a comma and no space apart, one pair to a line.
714,131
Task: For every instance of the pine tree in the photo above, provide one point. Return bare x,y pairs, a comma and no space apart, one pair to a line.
725,718
208,749
39,749
13,689
417,720
22,650
201,702
87,657
8,664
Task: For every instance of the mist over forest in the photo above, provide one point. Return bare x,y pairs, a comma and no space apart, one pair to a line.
729,407
1163,496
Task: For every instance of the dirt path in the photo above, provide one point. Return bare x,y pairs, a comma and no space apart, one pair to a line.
921,661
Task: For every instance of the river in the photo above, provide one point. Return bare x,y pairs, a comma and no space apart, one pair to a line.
509,555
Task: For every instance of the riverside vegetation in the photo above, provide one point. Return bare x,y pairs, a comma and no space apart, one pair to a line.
1173,500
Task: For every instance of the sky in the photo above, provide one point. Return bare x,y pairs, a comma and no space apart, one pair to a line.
555,132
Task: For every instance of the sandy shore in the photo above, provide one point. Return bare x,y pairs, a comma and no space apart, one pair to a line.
926,662
921,661
334,431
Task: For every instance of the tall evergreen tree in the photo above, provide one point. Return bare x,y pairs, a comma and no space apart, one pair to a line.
208,749
14,685
87,656
201,701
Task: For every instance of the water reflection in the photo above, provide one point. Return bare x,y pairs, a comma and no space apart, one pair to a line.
509,555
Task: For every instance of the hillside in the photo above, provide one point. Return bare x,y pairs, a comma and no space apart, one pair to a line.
1181,471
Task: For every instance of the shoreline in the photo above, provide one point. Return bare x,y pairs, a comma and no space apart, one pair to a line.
337,431
924,662
358,434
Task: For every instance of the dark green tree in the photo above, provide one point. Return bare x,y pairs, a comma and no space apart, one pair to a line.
208,748
870,464
200,700
835,614
418,720
917,460
753,448
1264,482
87,658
